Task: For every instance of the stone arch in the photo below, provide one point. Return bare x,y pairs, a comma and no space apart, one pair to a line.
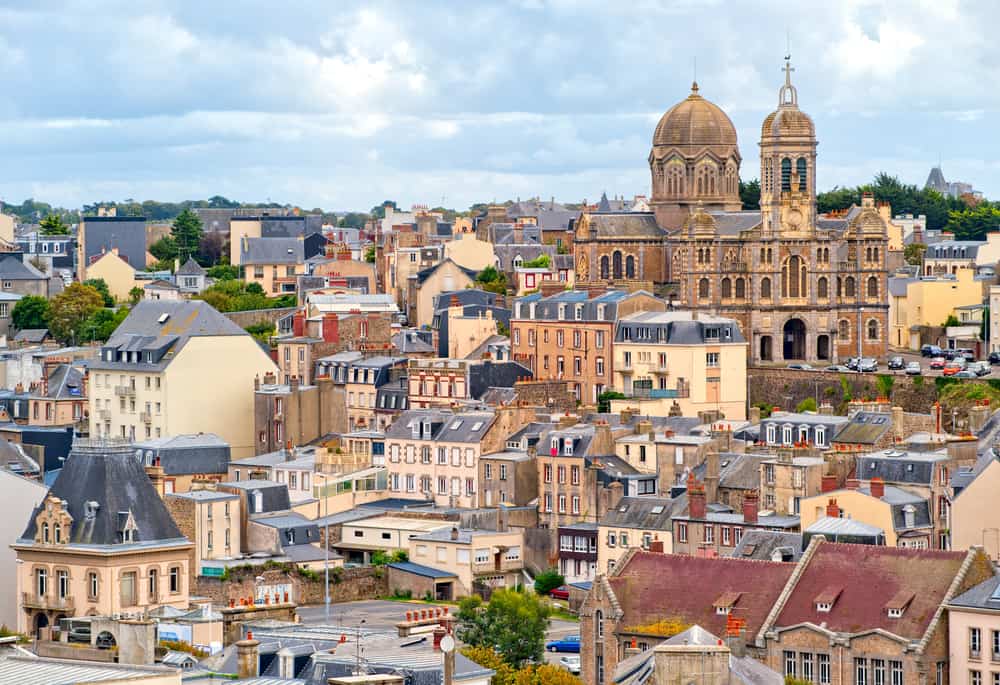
741,289
703,289
605,267
822,288
630,267
844,330
872,329
765,288
800,168
786,175
616,264
794,339
849,289
793,277
727,288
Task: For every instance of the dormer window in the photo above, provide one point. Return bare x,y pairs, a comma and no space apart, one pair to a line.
725,603
825,600
568,447
562,312
579,312
555,446
896,606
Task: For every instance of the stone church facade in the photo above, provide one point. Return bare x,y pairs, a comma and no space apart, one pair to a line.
803,288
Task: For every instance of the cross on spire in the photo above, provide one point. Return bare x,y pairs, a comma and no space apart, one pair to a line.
788,70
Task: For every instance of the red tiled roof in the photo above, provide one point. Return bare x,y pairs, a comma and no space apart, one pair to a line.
727,599
654,587
871,578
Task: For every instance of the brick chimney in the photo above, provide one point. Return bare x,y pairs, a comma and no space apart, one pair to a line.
656,546
331,328
712,476
853,484
832,510
877,487
248,659
829,483
751,505
155,474
299,324
696,498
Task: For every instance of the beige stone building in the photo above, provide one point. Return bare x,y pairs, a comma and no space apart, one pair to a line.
101,543
635,522
698,363
469,252
477,557
272,263
173,368
467,333
974,634
116,272
211,520
20,496
975,518
927,301
359,539
442,277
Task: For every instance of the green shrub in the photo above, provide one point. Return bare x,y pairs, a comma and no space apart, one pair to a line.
808,404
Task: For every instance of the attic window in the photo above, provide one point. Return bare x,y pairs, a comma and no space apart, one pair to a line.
658,509
896,606
623,508
826,599
748,550
725,603
477,425
90,510
163,318
456,425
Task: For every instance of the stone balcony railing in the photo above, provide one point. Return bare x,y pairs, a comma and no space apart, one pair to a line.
30,600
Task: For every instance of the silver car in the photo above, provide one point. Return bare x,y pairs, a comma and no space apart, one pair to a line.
571,664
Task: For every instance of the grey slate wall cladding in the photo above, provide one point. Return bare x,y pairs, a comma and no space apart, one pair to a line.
127,233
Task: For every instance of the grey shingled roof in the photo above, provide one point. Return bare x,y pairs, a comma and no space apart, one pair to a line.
191,268
982,596
631,225
864,428
114,478
445,425
763,545
13,269
675,328
898,466
272,251
188,454
65,382
32,335
424,274
640,513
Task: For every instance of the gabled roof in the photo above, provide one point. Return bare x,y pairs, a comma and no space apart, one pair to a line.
32,335
13,269
868,578
272,251
424,274
651,586
65,382
864,428
191,268
112,477
645,513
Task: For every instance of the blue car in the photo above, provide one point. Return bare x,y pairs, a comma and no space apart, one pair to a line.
570,643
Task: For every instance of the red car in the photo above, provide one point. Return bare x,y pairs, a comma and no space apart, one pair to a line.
561,592
937,363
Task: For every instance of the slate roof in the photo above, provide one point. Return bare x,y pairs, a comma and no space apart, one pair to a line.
645,513
112,477
191,268
868,577
864,428
631,225
734,223
506,254
420,570
33,670
424,274
982,596
188,454
764,545
160,284
32,335
142,332
274,495
547,308
833,526
446,426
740,471
408,342
13,269
650,586
272,251
676,328
898,466
551,216
65,382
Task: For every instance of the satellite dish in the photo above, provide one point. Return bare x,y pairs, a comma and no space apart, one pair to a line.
447,644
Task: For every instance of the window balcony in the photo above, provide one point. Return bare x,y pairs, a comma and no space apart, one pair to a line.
30,600
145,417
125,390
104,414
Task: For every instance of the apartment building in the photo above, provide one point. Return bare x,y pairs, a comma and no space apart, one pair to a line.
899,518
360,539
509,478
97,235
173,368
635,522
444,382
435,454
570,335
211,520
60,398
664,360
101,543
273,263
476,557
974,634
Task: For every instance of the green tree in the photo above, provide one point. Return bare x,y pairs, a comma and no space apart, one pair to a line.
186,232
513,623
548,580
353,220
378,211
974,223
223,272
101,286
262,332
135,294
53,225
604,400
165,248
913,253
808,404
370,254
750,194
491,280
952,320
71,308
884,383
381,557
101,324
31,311
541,262
529,674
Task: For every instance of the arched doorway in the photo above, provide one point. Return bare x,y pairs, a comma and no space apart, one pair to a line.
766,354
105,640
823,347
41,621
794,337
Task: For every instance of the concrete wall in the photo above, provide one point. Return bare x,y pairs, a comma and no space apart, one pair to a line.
256,316
20,496
975,517
346,585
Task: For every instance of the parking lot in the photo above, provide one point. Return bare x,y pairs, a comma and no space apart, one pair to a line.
907,357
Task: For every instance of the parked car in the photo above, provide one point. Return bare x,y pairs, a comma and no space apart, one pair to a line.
853,362
980,368
895,363
937,363
952,368
968,354
994,358
838,368
561,592
964,373
801,367
80,634
571,664
868,365
931,351
570,643
913,369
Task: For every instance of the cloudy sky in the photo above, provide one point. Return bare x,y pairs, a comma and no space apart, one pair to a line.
342,105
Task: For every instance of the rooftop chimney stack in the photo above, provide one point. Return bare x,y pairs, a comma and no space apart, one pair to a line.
696,498
877,487
751,505
248,659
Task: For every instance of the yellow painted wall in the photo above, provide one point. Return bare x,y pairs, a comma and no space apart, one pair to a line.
466,333
449,277
856,505
116,272
468,251
929,302
237,231
607,554
975,517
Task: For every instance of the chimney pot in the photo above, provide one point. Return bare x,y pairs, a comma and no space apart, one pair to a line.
750,507
877,487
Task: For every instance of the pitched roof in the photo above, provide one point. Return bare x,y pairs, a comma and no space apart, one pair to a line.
864,428
982,596
765,545
420,570
112,477
191,268
652,586
868,578
65,382
32,335
272,251
645,513
631,225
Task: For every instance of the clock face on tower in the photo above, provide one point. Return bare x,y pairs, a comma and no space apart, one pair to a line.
794,218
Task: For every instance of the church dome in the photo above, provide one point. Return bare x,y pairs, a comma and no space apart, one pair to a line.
694,122
786,122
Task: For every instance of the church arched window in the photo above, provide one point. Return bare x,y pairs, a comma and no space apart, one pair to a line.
873,329
840,287
793,278
703,288
874,254
872,286
844,330
800,167
765,288
770,256
741,289
822,288
849,286
727,288
868,254
786,174
616,264
604,266
630,267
